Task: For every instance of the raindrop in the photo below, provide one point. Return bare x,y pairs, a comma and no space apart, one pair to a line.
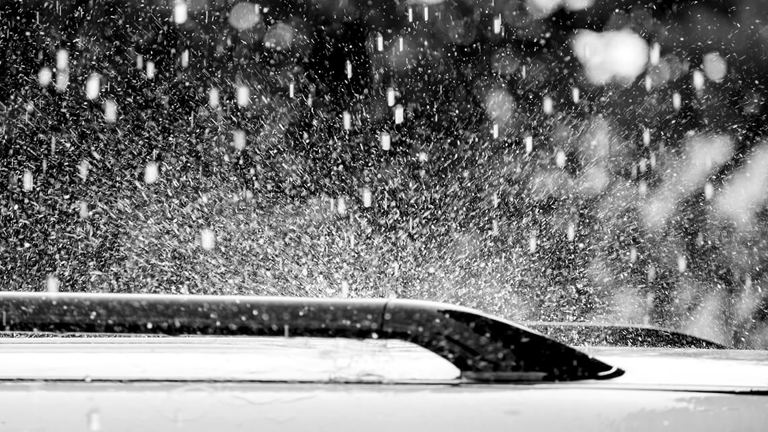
497,24
410,14
709,191
548,105
62,60
139,62
151,172
185,59
367,197
93,86
348,66
27,181
82,169
646,136
571,231
238,139
655,54
532,243
291,90
422,157
52,283
151,70
379,42
495,130
698,80
385,141
391,96
560,159
576,94
715,66
399,115
344,289
207,239
682,263
341,206
110,111
347,120
528,144
180,12
45,76
243,96
213,97
648,83
83,210
651,273
401,43
244,15
676,101
642,188
632,254
426,13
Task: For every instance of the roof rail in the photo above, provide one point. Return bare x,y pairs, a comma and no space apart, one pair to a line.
482,347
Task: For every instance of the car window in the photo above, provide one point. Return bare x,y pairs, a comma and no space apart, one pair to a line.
541,160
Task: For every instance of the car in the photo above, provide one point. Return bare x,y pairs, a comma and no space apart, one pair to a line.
121,362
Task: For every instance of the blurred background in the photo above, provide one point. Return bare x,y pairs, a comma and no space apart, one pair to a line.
571,160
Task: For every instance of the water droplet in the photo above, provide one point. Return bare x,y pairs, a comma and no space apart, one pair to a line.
93,86
385,141
654,55
528,144
62,59
45,76
560,159
151,172
207,239
27,181
349,69
83,210
676,102
151,71
495,130
243,94
367,197
698,80
291,90
399,114
410,14
497,24
576,94
390,96
341,206
347,120
632,254
571,231
379,42
548,105
185,59
426,13
344,289
715,66
682,263
646,136
709,191
532,243
180,12
238,139
52,283
139,62
213,97
110,111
